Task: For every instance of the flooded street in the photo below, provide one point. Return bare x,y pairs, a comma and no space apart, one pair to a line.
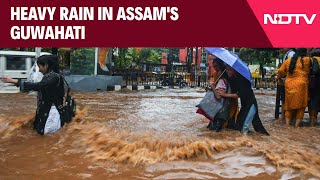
150,134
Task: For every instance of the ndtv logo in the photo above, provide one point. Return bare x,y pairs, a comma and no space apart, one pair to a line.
288,18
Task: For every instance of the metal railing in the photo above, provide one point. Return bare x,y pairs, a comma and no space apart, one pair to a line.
265,83
135,77
162,79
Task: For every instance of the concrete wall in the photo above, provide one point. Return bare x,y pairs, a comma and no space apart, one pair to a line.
92,83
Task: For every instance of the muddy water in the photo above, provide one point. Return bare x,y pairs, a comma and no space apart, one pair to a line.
153,134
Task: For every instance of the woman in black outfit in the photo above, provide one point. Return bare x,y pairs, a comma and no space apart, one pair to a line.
50,90
241,88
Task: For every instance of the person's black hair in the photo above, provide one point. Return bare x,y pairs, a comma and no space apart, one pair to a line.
300,52
51,61
221,65
315,52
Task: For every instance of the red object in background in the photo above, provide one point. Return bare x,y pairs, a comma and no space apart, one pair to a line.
183,55
164,59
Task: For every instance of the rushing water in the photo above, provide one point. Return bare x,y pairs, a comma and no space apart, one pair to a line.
152,134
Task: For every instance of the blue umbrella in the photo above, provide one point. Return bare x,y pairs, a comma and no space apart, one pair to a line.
232,60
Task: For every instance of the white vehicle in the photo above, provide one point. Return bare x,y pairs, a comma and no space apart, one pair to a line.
157,70
18,65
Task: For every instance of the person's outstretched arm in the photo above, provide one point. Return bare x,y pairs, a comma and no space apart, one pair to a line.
227,95
29,86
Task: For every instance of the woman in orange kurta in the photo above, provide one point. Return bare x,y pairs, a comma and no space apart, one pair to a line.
296,70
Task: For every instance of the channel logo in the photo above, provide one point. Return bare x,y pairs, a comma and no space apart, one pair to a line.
286,19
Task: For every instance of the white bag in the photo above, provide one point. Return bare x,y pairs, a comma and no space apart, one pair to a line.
35,75
53,123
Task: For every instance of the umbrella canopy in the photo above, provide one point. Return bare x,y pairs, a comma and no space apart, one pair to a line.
232,60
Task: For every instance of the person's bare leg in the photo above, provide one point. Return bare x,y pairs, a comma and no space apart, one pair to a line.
298,121
288,117
313,120
287,122
299,116
313,114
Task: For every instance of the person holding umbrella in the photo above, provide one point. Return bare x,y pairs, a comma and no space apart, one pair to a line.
241,88
240,82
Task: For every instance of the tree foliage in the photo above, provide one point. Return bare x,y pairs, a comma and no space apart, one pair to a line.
64,58
124,57
148,55
263,56
82,61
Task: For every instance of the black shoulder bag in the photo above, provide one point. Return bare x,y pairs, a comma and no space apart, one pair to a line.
69,105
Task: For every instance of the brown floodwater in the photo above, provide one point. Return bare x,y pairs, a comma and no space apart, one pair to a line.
150,134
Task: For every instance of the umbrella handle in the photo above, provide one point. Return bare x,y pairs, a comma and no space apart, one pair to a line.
215,83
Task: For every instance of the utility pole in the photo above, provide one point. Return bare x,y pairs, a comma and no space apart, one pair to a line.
38,51
197,69
189,58
196,63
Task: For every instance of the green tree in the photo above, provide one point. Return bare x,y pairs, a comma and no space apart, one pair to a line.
145,55
64,58
155,57
123,61
133,54
160,50
263,56
149,55
82,61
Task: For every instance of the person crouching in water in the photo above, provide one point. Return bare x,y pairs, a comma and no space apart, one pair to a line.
241,88
50,95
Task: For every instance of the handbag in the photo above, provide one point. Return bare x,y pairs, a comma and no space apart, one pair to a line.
69,105
68,108
209,105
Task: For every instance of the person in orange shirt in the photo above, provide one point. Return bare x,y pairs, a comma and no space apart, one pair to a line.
296,70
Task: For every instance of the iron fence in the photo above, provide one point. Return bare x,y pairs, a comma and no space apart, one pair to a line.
134,77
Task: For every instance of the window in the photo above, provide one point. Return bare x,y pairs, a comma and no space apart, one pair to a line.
16,63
